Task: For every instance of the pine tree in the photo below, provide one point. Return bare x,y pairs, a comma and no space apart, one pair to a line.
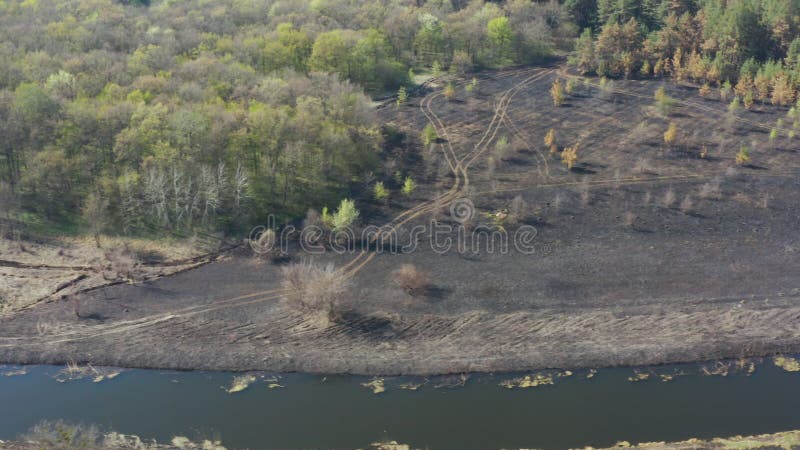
402,96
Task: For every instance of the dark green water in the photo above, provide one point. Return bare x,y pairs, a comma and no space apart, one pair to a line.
337,412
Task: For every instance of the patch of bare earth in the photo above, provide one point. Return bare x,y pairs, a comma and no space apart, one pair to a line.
34,272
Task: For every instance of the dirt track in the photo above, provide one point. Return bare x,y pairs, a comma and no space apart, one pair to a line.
620,274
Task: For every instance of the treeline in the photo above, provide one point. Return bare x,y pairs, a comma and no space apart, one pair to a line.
187,113
750,47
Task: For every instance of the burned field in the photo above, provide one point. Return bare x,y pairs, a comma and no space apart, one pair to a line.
672,238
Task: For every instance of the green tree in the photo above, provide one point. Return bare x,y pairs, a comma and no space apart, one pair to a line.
402,96
330,53
380,192
345,216
501,37
429,134
409,186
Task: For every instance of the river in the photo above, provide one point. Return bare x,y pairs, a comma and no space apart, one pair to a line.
312,411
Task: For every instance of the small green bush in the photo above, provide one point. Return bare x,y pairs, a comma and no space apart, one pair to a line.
345,215
409,185
380,192
429,134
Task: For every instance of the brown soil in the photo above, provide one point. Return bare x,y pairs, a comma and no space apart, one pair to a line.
646,253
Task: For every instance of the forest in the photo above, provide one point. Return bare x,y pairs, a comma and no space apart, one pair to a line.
137,117
182,114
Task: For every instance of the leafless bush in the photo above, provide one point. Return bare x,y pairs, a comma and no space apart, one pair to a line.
642,166
583,190
669,198
312,219
687,204
710,190
119,265
314,290
558,201
518,209
412,279
763,202
629,219
741,198
42,327
63,436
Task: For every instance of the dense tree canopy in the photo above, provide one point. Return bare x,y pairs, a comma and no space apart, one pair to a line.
752,43
189,113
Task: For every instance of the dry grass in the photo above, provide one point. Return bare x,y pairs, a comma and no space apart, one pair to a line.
315,290
411,279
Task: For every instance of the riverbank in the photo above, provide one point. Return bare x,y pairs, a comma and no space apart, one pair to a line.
226,316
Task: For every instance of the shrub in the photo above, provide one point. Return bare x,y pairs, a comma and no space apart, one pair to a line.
436,68
629,219
472,85
429,134
782,91
748,100
345,215
569,87
585,193
449,91
664,103
411,279
557,92
725,91
645,70
501,148
314,290
669,198
743,156
402,96
671,134
461,63
518,209
687,204
570,156
550,138
734,106
380,192
326,218
64,436
409,185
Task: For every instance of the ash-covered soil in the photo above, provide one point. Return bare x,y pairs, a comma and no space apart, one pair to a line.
644,253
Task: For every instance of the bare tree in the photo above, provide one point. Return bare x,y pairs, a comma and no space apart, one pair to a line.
94,213
317,291
6,204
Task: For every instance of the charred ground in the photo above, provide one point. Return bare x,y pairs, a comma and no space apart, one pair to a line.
645,252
